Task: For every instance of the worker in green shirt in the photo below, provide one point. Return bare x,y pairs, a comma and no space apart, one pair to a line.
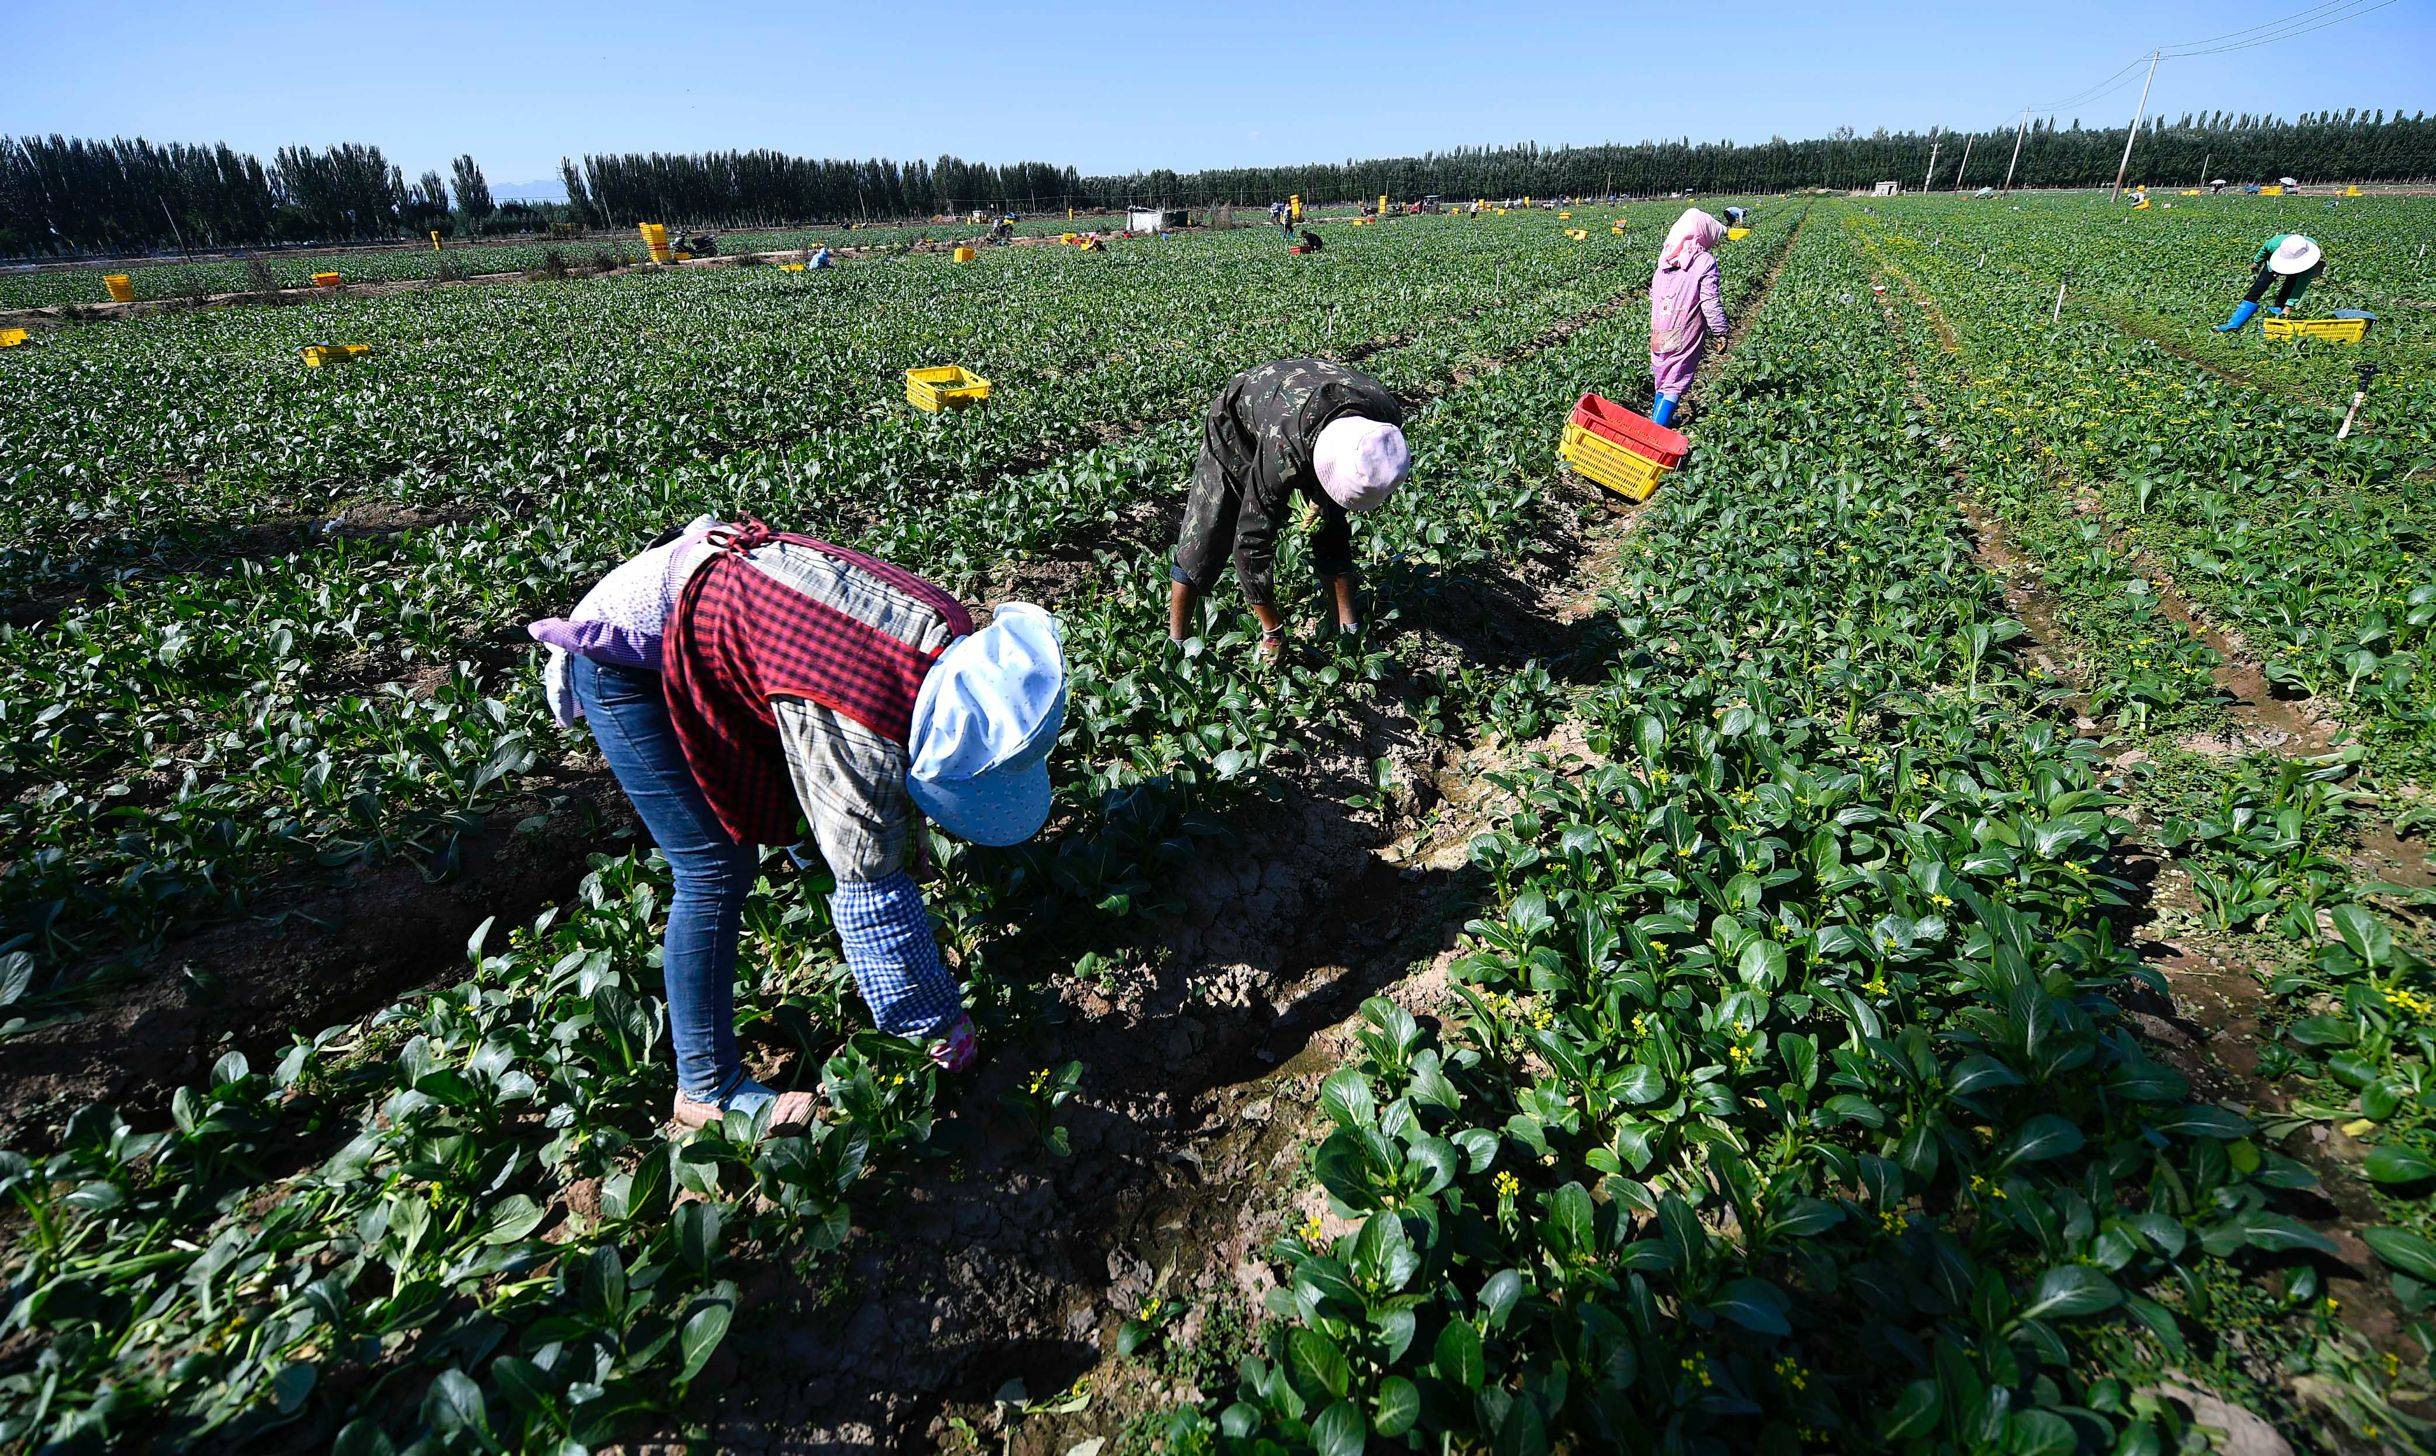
2296,260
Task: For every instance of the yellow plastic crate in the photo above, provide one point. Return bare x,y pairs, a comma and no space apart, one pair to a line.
947,386
11,338
790,267
316,355
1737,234
2336,330
1603,462
655,238
966,255
325,280
2275,191
122,289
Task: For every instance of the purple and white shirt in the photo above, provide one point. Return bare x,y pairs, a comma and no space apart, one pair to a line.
622,619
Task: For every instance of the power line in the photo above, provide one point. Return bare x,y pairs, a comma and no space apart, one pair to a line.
2114,82
2282,36
2324,5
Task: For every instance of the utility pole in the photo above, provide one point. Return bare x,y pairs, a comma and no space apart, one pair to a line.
1934,144
2130,136
1966,160
2017,148
2203,170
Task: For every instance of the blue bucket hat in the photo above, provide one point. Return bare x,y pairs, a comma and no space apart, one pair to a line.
983,725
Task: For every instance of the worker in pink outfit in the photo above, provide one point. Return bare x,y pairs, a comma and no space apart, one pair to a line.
1685,308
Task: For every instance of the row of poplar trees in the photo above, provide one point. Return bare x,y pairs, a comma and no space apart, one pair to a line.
61,195
70,195
2352,146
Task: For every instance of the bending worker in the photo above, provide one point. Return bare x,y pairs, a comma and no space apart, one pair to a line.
732,677
1685,308
1304,428
2288,256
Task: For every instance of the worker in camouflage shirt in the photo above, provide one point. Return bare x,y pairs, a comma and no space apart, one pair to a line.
1299,428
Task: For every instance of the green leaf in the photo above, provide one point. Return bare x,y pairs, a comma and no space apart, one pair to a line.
2042,1137
1762,965
2391,1164
1347,1098
1398,1405
2406,1251
292,1384
2038,1433
16,973
1339,1431
697,1229
700,1338
2196,1119
454,1403
1458,1356
1319,1362
1754,1304
2321,1031
2070,1291
1130,1336
2274,1233
1571,1222
360,1437
1915,1413
510,1219
2363,934
1803,1217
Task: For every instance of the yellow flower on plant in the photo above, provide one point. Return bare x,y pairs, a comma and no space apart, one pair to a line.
1507,1184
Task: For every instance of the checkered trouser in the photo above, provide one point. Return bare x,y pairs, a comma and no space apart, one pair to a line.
894,956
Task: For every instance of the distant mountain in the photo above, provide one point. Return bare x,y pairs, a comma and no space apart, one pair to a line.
550,189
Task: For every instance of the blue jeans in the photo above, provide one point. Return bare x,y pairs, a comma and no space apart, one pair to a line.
713,873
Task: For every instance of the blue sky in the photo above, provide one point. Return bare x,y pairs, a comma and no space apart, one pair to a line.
1112,87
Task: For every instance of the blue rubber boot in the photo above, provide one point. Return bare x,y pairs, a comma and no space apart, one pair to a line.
2242,313
1663,410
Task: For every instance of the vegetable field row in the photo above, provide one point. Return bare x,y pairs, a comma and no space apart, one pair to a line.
1784,1100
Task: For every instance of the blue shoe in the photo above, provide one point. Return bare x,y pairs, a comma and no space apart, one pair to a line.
2242,314
1663,410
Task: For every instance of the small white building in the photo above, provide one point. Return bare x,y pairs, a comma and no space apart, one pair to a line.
1154,219
1887,189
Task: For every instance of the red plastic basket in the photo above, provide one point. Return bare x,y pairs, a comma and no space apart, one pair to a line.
1637,433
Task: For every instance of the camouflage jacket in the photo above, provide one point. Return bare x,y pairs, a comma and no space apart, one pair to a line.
1260,430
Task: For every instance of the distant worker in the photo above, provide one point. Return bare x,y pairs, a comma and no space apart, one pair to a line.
1685,308
1004,230
2294,259
1311,241
819,258
1737,216
741,682
1305,429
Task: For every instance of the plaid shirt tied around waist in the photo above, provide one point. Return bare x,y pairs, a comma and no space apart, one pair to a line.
779,618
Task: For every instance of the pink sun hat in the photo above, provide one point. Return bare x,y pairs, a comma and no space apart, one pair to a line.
1360,462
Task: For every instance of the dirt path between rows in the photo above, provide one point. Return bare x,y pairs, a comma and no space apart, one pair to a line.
2213,1020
